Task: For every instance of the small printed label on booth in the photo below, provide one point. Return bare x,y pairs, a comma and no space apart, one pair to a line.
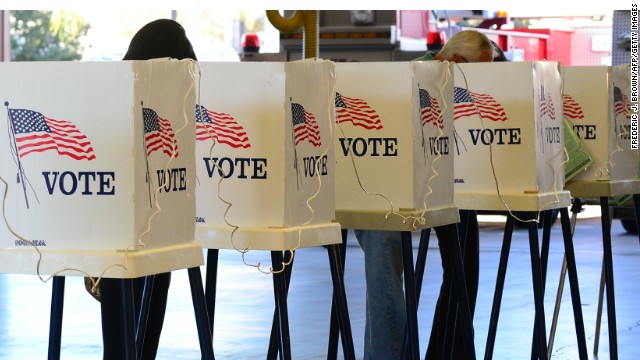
36,243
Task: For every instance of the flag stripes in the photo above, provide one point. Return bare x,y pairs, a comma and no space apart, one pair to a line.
35,132
220,126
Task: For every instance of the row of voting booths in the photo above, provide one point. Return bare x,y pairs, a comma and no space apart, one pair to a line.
106,180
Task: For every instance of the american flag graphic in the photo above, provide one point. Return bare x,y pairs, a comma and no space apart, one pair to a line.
357,112
220,126
571,108
158,133
467,103
35,132
305,126
546,105
621,103
429,109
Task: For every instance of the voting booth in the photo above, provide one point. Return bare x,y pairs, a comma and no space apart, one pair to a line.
596,102
265,156
509,136
98,168
394,145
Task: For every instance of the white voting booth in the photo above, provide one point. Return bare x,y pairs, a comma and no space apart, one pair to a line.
394,145
265,155
98,165
597,104
509,136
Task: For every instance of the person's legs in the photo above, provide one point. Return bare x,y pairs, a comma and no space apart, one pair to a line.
385,309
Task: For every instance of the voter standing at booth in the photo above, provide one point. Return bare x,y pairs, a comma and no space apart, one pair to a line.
163,38
385,306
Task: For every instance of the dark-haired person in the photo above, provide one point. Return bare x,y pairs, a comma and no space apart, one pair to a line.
163,38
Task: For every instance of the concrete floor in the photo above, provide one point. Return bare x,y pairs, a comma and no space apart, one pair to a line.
245,302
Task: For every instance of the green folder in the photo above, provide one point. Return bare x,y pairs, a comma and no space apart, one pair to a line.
622,200
579,156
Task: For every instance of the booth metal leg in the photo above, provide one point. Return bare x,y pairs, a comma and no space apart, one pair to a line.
608,267
538,290
421,262
410,294
452,323
576,208
459,288
274,338
340,299
280,295
536,275
596,341
573,284
143,315
544,260
211,285
497,295
55,325
332,351
128,324
200,308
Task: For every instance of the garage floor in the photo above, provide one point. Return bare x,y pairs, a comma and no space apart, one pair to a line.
245,302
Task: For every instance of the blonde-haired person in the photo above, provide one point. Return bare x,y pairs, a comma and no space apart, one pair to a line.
466,46
385,305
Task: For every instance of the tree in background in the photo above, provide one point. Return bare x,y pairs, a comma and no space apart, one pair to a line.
38,35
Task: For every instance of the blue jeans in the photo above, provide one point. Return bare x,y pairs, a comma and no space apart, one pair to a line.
386,312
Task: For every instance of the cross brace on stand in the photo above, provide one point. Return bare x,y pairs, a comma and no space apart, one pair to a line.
606,276
538,269
413,284
132,333
279,342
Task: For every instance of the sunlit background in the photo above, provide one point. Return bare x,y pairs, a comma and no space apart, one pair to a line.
217,35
